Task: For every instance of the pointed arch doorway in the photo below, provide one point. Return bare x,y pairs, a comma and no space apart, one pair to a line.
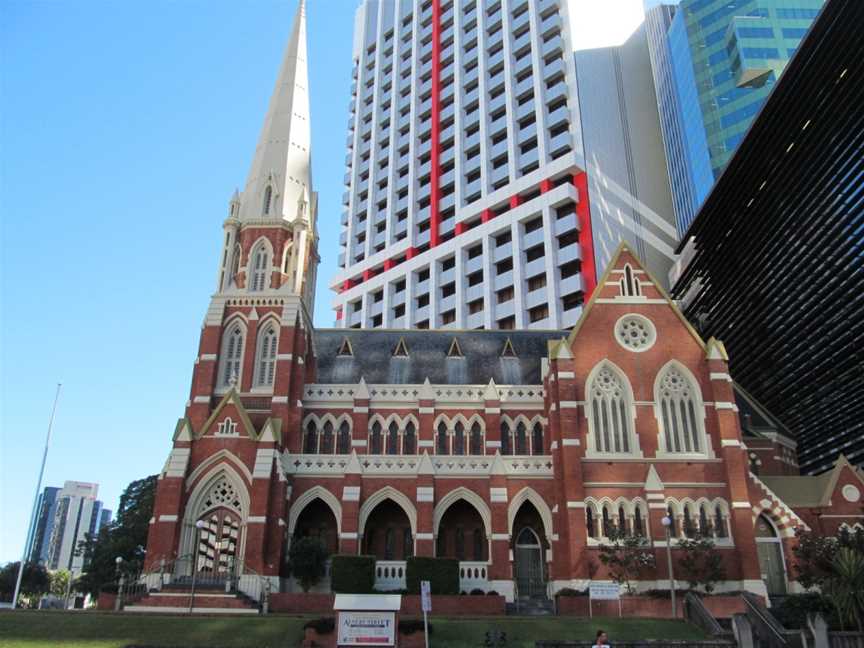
528,565
769,549
218,541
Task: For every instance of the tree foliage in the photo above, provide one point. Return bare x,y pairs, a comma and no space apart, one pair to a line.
626,557
845,587
308,560
814,553
701,563
59,582
34,582
126,538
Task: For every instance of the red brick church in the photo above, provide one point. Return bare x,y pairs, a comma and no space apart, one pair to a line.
515,452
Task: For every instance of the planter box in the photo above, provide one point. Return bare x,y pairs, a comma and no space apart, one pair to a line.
722,607
302,603
455,605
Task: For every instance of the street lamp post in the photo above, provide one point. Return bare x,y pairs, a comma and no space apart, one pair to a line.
198,526
667,525
118,602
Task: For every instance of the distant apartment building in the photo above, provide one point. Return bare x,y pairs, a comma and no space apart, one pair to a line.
467,201
63,517
624,154
714,63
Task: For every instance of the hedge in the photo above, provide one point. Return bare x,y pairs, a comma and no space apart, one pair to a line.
350,574
442,574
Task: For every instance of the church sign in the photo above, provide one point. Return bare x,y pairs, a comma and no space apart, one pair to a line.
366,628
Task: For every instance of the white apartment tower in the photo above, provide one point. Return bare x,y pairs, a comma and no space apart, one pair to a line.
466,200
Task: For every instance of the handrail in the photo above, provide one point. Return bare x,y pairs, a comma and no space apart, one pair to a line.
696,612
756,610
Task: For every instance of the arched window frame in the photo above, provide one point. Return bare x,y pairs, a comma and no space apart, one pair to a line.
230,357
259,266
442,436
266,351
633,448
267,201
663,449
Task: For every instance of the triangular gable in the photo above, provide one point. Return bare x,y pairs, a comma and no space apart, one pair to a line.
508,351
183,430
401,350
455,351
840,465
617,263
272,431
231,400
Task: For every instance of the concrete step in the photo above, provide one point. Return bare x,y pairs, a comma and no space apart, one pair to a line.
161,609
202,600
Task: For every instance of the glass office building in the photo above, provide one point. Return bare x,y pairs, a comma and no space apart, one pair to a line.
714,63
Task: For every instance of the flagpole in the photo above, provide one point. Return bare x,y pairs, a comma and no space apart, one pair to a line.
36,498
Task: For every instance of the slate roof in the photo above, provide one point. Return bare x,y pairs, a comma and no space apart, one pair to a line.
374,361
797,490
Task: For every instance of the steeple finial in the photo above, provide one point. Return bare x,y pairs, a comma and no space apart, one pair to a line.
279,186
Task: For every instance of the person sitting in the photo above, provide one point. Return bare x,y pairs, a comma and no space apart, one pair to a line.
601,640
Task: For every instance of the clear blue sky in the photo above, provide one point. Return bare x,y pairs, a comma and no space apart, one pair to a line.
124,129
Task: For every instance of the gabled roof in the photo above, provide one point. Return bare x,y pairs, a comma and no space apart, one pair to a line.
810,490
616,263
231,398
427,357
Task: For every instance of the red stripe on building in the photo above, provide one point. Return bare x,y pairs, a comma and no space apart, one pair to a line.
586,239
435,147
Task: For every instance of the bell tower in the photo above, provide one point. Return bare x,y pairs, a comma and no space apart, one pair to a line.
223,476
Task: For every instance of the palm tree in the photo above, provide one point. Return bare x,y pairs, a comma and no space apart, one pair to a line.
845,587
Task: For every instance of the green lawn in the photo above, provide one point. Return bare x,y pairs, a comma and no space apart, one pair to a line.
100,630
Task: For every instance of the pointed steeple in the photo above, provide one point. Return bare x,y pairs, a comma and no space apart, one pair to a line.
279,185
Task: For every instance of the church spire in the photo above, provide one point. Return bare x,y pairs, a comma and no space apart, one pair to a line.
279,186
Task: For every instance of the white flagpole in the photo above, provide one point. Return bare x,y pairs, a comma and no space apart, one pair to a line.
36,498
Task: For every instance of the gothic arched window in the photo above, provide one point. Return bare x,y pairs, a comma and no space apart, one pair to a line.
393,438
265,361
458,439
343,445
680,412
235,265
521,439
409,439
476,445
375,439
506,442
638,529
310,439
259,266
327,439
589,522
719,523
609,412
441,445
537,439
232,355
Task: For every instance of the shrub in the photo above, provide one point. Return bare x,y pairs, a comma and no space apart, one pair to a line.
322,626
410,626
477,592
308,560
626,557
701,563
442,574
351,574
569,591
794,609
491,593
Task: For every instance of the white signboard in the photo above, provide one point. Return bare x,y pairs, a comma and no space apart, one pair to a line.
367,629
425,596
604,591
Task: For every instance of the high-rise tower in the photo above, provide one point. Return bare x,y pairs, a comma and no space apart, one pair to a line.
466,202
715,62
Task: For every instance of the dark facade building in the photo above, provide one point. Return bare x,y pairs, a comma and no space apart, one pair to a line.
43,525
774,262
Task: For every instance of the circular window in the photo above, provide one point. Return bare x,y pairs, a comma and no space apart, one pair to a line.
635,333
851,493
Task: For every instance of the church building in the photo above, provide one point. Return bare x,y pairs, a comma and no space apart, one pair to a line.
515,452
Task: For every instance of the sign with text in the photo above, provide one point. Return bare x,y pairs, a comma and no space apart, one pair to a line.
367,628
425,596
604,591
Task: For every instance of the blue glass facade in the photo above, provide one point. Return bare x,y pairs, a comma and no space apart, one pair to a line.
723,57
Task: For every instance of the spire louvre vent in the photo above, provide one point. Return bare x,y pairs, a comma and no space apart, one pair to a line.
455,350
345,348
508,351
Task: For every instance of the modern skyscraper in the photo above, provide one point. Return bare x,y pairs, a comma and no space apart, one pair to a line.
714,63
43,526
624,156
466,202
76,512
